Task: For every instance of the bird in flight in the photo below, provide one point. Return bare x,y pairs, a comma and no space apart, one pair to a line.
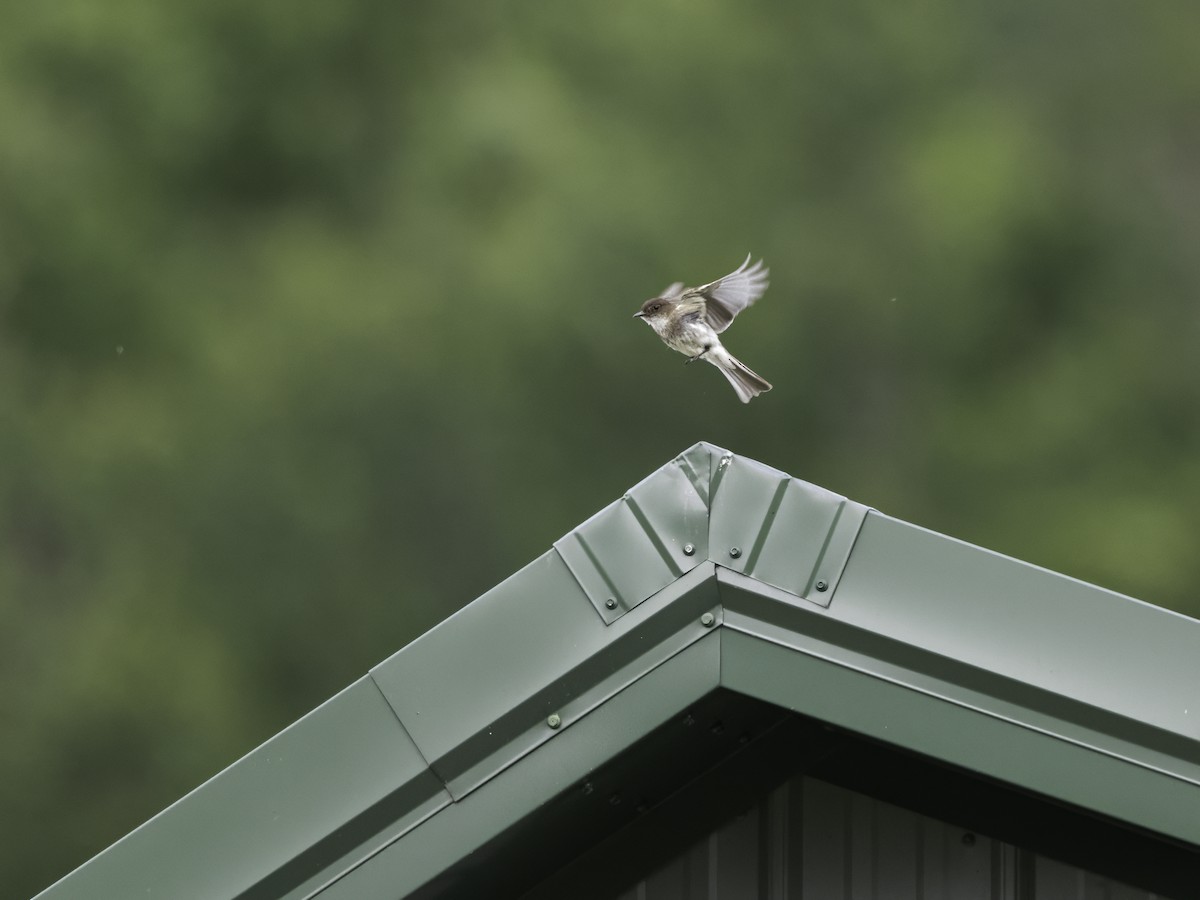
689,319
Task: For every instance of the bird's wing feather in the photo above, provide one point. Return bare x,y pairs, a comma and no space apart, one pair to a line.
672,290
728,296
690,305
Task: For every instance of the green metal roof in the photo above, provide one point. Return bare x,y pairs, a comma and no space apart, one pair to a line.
716,573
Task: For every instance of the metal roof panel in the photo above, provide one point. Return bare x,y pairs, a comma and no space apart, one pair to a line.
233,835
1030,624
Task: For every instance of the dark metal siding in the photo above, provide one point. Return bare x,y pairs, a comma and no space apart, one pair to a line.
809,840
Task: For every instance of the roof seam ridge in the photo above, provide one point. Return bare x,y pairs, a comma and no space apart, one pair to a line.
404,728
694,479
821,554
596,564
768,522
653,536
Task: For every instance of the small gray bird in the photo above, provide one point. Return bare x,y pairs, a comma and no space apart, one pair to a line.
689,319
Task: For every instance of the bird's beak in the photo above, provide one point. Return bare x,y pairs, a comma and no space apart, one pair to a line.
639,315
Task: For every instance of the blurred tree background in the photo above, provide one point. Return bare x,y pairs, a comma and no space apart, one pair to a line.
315,323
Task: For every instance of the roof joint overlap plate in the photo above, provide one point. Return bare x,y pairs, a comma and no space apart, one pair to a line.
635,547
788,533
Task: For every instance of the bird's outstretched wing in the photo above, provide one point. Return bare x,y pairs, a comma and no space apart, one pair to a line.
728,296
672,291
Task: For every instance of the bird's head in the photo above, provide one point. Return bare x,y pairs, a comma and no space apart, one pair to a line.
654,310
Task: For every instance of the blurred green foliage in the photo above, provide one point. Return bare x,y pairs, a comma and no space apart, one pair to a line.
315,323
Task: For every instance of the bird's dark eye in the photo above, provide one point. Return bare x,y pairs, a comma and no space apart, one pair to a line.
656,307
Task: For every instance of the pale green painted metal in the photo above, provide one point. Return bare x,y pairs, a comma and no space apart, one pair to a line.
709,504
664,692
1026,623
344,759
955,732
825,608
638,545
477,690
783,531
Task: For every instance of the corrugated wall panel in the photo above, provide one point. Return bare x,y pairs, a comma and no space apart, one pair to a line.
1053,879
810,840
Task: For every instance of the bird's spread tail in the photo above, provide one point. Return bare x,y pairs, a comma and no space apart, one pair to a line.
748,383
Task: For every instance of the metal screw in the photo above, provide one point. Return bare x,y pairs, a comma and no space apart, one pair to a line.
587,788
610,603
735,552
689,549
614,799
717,728
968,839
707,620
554,720
822,585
